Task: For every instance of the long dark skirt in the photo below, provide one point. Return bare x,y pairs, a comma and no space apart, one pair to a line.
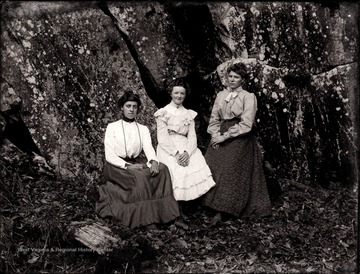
135,198
237,170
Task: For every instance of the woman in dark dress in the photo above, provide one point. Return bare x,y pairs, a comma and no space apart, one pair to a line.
137,191
233,155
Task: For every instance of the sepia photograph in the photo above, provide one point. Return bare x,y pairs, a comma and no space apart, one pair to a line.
179,137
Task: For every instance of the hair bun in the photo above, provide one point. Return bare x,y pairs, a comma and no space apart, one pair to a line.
129,95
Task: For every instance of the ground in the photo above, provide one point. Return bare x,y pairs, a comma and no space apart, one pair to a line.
311,230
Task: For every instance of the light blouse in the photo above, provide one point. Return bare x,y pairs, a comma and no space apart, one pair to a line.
177,120
230,104
127,140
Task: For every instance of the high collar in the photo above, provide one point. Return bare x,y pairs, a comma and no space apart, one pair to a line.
127,119
175,105
233,93
238,89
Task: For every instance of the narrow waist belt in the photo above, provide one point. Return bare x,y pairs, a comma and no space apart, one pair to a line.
173,132
128,159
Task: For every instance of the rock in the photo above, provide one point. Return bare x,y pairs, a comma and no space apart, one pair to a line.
67,65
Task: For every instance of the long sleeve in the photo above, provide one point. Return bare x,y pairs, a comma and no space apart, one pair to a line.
110,154
247,117
163,137
147,145
215,119
192,139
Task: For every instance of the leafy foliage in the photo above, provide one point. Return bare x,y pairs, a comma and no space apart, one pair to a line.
311,230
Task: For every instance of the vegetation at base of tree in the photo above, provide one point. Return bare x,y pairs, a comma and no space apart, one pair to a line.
311,230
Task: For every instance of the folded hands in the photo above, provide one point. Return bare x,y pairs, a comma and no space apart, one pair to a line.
183,159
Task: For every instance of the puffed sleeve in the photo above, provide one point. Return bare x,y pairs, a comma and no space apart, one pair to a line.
215,119
109,142
147,145
247,117
164,141
191,136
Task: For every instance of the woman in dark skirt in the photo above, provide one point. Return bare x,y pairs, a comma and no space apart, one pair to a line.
234,156
137,191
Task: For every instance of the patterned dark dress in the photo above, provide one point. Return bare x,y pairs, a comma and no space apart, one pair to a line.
236,165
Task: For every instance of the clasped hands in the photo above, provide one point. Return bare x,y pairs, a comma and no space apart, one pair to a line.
182,159
216,140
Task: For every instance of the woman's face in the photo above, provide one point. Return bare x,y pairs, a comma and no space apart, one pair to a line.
178,95
234,80
130,109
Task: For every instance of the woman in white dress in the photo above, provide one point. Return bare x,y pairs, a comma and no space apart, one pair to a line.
177,148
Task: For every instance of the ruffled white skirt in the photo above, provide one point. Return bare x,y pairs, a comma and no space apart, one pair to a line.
188,182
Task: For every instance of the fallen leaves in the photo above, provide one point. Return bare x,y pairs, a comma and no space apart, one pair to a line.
310,230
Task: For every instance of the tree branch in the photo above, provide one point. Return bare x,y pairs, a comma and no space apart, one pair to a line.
158,96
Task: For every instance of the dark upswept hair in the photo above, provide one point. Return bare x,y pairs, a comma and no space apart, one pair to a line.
179,82
238,68
129,96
